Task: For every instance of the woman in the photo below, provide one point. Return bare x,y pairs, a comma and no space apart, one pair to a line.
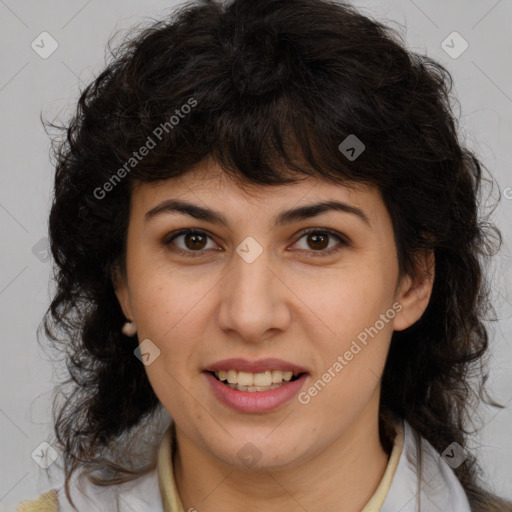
265,226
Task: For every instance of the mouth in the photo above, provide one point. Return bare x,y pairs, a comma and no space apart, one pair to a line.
253,397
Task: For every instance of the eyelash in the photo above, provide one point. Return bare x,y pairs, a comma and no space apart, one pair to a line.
315,254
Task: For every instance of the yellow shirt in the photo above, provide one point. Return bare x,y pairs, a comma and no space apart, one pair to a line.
48,501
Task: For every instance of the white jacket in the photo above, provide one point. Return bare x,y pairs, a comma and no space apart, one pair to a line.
437,489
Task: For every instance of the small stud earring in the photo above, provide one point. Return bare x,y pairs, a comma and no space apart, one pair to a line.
129,329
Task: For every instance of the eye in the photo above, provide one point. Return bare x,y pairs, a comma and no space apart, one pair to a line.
318,240
194,240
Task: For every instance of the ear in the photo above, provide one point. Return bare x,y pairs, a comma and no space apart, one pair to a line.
414,291
121,289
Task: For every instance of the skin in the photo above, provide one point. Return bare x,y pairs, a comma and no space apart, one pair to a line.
285,305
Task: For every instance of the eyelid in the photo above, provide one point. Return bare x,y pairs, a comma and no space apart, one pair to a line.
332,232
185,231
344,240
171,236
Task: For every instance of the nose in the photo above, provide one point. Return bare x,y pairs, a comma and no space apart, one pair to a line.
254,300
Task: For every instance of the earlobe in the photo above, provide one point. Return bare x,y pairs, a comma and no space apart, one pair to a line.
415,291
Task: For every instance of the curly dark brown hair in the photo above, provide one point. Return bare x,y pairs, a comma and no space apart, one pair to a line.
273,88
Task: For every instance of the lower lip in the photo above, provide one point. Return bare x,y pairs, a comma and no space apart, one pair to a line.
255,401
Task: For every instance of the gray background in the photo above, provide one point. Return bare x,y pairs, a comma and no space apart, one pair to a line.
31,85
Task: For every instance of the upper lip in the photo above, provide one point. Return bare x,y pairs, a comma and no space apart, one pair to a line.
257,366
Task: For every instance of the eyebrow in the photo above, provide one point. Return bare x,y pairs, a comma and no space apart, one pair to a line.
286,217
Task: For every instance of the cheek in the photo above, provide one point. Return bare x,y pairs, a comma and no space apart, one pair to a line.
358,312
352,300
164,314
161,297
169,306
352,364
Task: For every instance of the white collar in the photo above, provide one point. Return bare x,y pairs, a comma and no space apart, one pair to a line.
436,489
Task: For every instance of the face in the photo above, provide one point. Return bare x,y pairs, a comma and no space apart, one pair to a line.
256,289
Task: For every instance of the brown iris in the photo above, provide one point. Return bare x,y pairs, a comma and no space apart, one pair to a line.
195,238
317,244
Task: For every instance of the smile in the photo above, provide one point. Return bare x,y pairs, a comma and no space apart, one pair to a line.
254,398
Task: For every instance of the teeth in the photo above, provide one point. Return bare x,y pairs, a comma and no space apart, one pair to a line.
254,388
263,379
